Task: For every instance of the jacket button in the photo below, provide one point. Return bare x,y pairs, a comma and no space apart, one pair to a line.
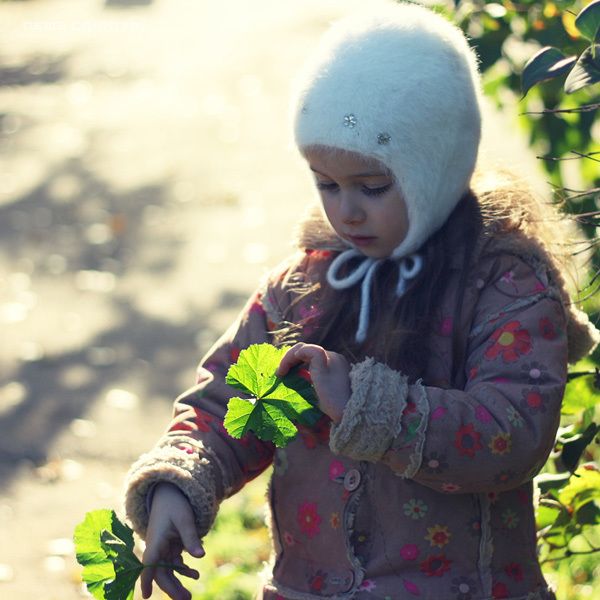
352,480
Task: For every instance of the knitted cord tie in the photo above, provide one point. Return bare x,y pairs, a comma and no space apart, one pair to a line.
408,268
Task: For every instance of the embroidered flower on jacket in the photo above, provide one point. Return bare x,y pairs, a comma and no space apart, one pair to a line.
411,588
514,571
514,417
445,328
409,552
334,520
474,527
336,469
547,328
309,519
509,518
482,414
463,588
501,444
509,279
318,581
435,566
504,477
415,509
533,400
438,535
499,591
234,353
368,585
468,440
435,463
288,538
438,413
535,372
510,342
450,487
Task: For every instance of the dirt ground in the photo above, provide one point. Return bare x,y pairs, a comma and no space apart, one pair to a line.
147,181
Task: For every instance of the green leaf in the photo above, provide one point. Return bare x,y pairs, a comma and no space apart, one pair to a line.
574,448
104,547
546,64
276,403
588,21
586,71
580,394
589,514
254,371
551,481
126,564
583,487
97,566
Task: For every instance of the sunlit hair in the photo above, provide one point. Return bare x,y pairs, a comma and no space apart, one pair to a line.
400,329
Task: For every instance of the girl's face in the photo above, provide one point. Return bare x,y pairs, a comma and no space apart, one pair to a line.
361,200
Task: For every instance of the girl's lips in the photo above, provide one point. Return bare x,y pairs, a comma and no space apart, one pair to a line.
361,240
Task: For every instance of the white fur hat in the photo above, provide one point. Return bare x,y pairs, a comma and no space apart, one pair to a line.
401,86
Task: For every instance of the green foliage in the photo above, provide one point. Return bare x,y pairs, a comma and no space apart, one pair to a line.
546,64
104,547
275,402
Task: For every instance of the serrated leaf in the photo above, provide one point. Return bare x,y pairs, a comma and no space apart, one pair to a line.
97,566
254,371
126,564
546,64
104,547
276,402
588,21
586,71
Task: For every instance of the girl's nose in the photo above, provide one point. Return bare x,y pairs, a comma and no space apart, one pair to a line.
350,209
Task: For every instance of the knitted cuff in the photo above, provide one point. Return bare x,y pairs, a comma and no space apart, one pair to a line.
193,474
372,417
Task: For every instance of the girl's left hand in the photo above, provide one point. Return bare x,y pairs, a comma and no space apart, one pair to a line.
329,372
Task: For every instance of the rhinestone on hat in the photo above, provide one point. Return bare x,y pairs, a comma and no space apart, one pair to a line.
384,138
350,121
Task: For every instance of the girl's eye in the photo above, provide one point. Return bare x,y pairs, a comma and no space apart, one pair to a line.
378,191
327,187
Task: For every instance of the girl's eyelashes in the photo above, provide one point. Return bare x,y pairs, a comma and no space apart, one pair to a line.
327,187
377,191
366,190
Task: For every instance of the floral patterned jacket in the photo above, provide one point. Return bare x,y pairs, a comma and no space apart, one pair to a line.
423,490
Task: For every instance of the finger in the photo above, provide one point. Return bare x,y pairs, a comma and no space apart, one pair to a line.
184,570
314,355
186,527
169,584
146,581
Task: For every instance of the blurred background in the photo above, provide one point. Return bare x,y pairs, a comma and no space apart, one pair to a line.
147,182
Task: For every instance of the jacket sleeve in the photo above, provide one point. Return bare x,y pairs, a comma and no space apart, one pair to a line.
495,433
196,453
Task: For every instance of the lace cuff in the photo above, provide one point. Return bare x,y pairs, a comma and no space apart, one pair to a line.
372,417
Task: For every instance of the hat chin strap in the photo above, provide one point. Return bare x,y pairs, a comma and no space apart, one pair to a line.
408,268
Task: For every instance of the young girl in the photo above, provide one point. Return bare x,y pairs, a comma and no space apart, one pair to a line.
436,328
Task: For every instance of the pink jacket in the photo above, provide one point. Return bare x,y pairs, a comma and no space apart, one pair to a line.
423,490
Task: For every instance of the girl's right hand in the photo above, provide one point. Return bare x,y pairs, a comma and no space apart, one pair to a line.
171,529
